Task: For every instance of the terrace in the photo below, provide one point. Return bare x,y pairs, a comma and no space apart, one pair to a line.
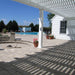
57,57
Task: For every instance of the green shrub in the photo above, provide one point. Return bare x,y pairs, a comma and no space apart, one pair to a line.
0,34
4,30
5,35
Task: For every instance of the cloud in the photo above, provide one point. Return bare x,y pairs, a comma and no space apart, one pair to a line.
26,22
36,21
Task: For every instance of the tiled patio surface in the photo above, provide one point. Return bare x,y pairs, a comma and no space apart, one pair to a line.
59,60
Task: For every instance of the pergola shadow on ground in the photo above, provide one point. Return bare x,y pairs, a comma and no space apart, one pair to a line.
59,60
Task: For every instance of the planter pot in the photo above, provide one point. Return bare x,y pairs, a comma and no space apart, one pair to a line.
51,37
47,37
35,44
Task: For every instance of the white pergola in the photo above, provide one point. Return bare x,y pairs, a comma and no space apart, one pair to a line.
65,8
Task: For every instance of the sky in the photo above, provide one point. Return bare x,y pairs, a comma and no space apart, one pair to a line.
23,14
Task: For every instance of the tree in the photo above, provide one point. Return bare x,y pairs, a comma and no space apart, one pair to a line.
32,27
50,16
36,28
2,26
9,26
14,26
46,29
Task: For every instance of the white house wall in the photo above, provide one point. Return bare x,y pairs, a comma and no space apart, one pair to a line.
28,29
70,31
23,29
56,24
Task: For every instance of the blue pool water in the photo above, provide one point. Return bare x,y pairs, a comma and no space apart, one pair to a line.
27,33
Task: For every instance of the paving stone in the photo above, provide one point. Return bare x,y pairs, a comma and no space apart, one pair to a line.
4,73
54,61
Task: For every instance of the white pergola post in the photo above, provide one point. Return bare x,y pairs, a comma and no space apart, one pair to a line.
40,29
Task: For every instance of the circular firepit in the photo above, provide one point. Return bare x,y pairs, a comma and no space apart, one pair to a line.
9,46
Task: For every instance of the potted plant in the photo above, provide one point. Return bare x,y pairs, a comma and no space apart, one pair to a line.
47,36
51,37
35,42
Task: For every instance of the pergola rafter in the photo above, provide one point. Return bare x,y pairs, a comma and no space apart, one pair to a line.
65,8
56,3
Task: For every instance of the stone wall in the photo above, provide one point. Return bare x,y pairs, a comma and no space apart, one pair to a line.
4,38
12,36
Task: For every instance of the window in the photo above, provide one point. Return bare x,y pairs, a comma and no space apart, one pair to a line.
63,26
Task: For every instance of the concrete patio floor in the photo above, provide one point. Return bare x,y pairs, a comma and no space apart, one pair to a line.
56,58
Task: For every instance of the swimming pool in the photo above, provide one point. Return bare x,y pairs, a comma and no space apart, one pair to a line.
27,33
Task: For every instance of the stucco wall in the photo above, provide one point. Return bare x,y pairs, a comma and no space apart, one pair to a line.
4,38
